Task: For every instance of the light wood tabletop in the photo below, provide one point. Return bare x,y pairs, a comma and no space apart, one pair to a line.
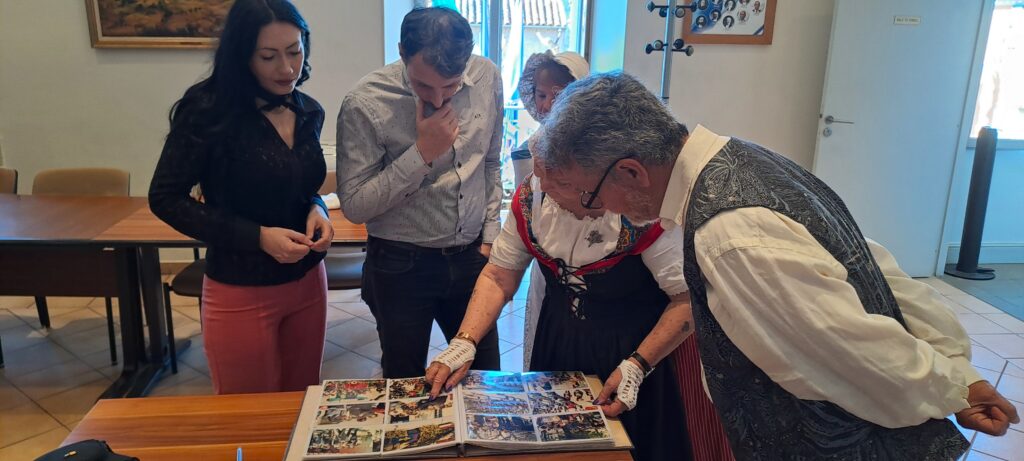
209,428
26,219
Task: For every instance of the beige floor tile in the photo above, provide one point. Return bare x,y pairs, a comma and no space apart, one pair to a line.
358,309
72,405
89,342
350,365
512,360
1007,346
371,351
979,456
16,302
976,324
197,386
1009,446
184,326
437,338
505,346
984,358
432,353
968,434
29,450
22,337
193,312
511,329
30,315
195,356
1015,368
332,350
23,422
100,361
337,316
185,374
974,304
345,296
9,320
31,359
353,334
56,379
10,396
75,322
1012,388
993,377
1007,321
941,286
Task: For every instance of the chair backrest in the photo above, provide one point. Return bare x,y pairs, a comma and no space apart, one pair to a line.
330,183
82,181
8,181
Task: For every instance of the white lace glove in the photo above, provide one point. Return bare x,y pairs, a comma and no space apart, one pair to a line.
458,353
629,387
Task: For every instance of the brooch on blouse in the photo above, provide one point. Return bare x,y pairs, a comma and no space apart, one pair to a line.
594,238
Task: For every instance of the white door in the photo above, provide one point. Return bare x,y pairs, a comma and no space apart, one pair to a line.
895,87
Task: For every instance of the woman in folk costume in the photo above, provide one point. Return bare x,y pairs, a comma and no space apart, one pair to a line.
544,77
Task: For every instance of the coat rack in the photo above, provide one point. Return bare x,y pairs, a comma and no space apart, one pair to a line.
678,45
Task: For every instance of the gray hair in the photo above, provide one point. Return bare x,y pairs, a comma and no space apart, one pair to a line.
605,117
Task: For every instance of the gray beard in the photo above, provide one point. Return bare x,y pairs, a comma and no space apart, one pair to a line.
641,209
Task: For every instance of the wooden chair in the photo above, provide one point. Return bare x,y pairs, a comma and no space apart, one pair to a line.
106,182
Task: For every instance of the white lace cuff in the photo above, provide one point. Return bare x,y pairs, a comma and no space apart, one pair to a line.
458,353
629,387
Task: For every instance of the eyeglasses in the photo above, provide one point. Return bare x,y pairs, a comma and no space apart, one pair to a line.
590,200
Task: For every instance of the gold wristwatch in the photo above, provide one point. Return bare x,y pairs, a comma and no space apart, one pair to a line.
465,336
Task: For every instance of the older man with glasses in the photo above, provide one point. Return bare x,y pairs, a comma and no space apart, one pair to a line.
615,304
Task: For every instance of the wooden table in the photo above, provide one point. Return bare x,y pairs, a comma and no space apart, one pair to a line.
211,428
103,247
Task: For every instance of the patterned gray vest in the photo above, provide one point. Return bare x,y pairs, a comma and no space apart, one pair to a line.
762,420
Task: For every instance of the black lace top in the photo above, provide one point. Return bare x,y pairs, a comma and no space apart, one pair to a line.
249,178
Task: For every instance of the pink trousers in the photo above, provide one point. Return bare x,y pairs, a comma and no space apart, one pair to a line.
265,339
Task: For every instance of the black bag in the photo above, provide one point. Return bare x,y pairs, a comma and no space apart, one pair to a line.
86,450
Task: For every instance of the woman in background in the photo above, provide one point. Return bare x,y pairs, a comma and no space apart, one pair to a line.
251,140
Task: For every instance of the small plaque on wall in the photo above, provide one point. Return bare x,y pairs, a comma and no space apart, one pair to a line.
737,22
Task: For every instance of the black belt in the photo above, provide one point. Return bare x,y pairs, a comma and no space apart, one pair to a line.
428,250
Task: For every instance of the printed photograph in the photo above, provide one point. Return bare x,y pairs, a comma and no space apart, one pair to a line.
550,380
354,389
500,428
562,401
351,440
400,411
410,437
578,426
492,381
409,388
496,403
362,413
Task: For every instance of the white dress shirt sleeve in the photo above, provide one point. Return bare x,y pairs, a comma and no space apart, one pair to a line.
784,301
928,314
664,258
367,186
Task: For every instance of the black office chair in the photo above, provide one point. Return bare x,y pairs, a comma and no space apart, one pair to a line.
8,185
187,282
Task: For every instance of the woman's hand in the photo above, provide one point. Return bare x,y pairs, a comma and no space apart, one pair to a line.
624,382
284,245
318,221
458,356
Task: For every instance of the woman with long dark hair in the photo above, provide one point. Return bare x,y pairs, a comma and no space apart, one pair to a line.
251,141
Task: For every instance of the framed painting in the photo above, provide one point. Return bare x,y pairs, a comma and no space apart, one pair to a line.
736,22
156,23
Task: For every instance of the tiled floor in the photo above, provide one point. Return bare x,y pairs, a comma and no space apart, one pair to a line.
53,377
1005,292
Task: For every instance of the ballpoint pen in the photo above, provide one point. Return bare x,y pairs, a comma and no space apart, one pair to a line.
238,456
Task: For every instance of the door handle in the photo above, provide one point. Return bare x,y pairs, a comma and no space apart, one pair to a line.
830,120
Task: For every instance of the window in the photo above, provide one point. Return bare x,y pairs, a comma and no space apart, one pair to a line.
1001,91
528,26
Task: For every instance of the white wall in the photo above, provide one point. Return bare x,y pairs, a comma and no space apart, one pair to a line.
768,94
65,104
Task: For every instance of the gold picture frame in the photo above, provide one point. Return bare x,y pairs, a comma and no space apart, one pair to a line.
156,23
733,22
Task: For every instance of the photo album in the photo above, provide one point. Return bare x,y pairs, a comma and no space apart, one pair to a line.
489,412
